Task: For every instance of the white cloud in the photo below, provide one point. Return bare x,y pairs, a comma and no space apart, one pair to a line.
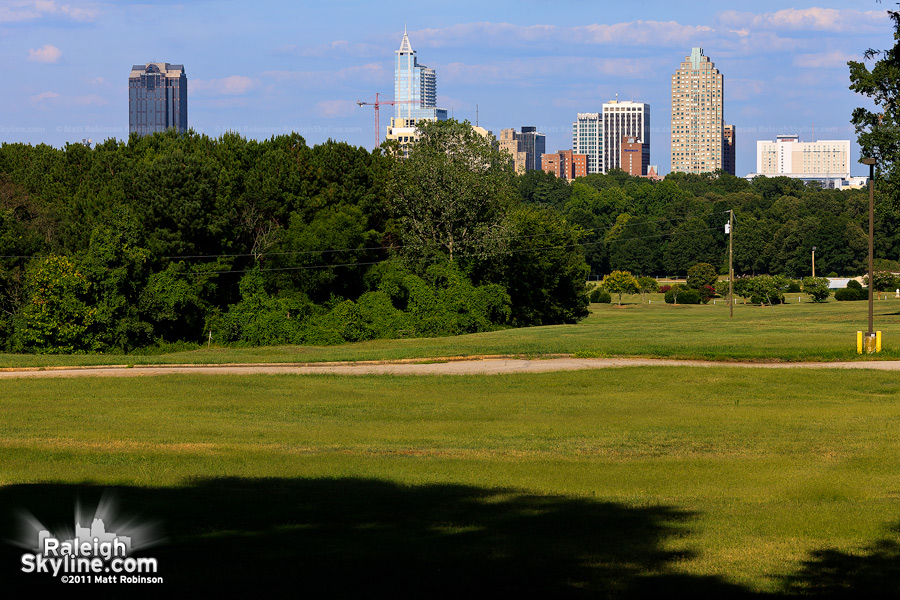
634,33
643,33
824,60
235,85
332,49
744,89
807,19
45,54
369,73
43,96
48,98
13,11
335,108
526,70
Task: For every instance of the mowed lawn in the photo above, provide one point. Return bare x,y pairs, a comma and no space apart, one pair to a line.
795,331
618,482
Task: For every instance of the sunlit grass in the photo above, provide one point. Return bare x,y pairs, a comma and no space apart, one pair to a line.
775,465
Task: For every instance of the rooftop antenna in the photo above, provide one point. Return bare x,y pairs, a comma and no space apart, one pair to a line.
476,115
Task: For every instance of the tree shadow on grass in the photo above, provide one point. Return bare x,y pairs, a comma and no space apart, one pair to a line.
356,537
873,572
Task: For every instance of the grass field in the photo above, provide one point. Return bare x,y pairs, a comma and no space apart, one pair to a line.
795,331
623,482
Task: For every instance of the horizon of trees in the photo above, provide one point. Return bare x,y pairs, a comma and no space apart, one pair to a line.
164,238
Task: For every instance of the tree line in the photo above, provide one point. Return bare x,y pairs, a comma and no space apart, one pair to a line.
172,237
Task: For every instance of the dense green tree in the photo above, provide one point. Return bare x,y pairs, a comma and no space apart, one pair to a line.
57,317
621,282
817,288
451,195
877,130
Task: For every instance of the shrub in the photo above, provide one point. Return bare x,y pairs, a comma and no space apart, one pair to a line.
600,295
793,287
685,296
817,287
851,293
701,274
854,285
664,289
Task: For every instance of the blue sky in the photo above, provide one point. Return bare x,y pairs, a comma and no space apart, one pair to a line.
265,68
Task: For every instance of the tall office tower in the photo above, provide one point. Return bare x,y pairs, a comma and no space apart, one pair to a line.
415,87
525,147
587,139
697,115
728,149
157,98
621,119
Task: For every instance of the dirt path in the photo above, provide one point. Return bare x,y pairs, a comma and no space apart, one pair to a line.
424,367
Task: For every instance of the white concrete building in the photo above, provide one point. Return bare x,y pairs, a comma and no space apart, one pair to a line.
620,119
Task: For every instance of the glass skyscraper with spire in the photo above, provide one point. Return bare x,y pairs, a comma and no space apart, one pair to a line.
415,87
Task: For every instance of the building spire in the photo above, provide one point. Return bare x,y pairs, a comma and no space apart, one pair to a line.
404,44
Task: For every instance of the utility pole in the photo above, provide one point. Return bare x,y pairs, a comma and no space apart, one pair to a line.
730,228
870,336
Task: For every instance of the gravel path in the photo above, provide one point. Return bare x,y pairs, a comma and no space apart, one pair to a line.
486,366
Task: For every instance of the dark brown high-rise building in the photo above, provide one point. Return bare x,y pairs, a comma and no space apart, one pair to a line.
728,149
634,156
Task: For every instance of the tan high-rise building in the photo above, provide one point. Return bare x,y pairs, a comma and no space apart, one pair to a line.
525,147
698,121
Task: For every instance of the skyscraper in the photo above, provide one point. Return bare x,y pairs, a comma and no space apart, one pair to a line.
415,86
621,119
157,98
587,139
525,147
415,95
697,115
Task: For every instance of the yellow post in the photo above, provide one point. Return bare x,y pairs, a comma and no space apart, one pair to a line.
877,341
859,344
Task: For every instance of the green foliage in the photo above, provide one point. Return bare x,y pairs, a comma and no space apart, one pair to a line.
850,294
451,196
765,289
57,318
621,282
854,284
877,130
701,274
647,285
679,294
884,281
600,295
544,271
817,287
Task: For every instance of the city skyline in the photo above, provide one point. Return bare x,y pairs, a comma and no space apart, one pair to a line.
302,68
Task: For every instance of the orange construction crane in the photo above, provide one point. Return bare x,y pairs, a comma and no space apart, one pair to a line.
377,104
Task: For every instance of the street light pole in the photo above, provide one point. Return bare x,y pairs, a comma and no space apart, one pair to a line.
871,333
